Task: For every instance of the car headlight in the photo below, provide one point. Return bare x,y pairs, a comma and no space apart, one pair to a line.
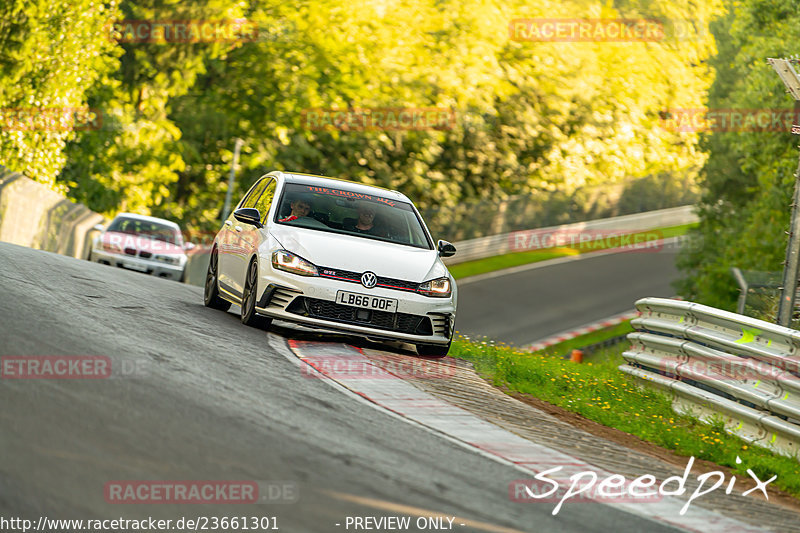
111,247
169,259
283,260
438,288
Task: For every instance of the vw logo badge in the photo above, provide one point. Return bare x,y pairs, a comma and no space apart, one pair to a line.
369,279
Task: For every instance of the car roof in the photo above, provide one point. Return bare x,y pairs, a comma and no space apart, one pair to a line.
325,181
148,219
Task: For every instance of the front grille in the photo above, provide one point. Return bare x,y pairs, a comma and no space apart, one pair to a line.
442,324
275,296
130,251
281,297
355,277
327,310
391,283
145,255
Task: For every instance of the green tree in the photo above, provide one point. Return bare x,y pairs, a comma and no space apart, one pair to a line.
134,160
747,181
51,54
530,118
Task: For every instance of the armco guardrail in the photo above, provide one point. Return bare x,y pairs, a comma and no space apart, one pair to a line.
720,364
33,215
504,243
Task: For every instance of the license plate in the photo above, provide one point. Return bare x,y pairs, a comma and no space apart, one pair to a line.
134,266
366,301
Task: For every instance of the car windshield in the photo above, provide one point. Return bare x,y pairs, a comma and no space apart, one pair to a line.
146,228
338,210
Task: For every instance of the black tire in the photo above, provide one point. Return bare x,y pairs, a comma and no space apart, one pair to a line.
433,350
211,297
249,295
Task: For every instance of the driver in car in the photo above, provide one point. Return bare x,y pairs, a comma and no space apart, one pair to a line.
366,221
301,207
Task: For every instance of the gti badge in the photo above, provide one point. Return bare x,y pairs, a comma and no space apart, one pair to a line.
369,279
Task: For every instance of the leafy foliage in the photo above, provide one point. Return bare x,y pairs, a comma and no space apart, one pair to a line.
530,118
51,54
747,181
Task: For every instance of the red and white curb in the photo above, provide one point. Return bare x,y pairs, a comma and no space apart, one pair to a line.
384,390
583,330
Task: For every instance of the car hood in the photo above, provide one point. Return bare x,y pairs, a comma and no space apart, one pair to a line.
358,254
141,242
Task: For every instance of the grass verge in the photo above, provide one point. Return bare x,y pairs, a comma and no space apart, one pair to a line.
600,392
490,264
600,335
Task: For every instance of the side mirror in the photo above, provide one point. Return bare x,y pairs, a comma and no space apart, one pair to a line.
446,249
248,215
188,246
98,227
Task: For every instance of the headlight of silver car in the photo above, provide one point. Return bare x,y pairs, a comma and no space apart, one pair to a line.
283,260
169,259
112,247
438,288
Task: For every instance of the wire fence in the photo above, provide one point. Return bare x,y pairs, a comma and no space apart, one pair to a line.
760,293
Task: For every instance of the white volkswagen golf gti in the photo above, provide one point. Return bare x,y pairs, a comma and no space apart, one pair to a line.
337,255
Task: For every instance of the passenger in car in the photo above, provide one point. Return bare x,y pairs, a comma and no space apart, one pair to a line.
301,207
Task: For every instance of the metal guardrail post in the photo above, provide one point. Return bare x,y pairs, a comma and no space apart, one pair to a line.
791,268
740,303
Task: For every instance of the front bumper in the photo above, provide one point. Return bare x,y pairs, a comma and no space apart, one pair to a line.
145,266
311,301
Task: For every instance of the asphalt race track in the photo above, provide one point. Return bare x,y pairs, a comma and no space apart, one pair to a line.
206,398
527,306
